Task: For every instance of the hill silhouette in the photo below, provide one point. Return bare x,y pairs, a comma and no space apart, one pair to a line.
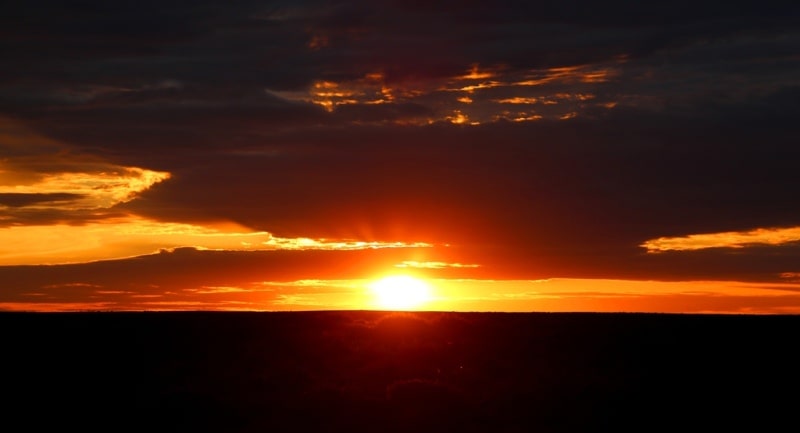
362,371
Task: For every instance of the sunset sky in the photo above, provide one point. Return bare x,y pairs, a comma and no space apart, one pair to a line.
512,155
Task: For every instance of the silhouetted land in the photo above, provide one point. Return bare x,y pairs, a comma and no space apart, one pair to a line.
398,372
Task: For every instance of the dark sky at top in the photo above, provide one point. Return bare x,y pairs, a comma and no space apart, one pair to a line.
537,138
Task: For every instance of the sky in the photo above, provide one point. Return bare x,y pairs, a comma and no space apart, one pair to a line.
619,156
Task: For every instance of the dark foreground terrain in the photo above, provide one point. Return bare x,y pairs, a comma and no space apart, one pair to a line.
398,372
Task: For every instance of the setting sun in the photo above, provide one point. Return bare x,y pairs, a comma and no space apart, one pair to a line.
400,292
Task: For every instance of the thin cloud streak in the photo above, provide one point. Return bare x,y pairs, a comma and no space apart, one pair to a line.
743,239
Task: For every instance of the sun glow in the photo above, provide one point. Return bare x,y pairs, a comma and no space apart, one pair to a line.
400,292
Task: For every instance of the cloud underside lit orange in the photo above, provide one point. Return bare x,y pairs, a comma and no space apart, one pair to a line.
58,206
476,97
741,239
133,236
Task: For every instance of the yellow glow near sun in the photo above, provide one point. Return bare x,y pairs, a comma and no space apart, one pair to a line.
400,292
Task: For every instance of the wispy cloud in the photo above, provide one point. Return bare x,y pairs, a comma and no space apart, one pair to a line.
83,187
742,239
434,265
45,181
485,91
133,236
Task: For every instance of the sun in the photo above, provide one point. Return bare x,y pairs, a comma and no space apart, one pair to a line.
400,292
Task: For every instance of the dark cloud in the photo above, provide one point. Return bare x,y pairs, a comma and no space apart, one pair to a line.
32,216
244,43
22,200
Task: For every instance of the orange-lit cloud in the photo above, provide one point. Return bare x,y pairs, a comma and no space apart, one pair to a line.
132,236
476,74
567,74
494,86
41,174
460,118
760,236
57,206
524,117
433,265
331,244
542,87
369,89
518,100
478,86
93,185
546,100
